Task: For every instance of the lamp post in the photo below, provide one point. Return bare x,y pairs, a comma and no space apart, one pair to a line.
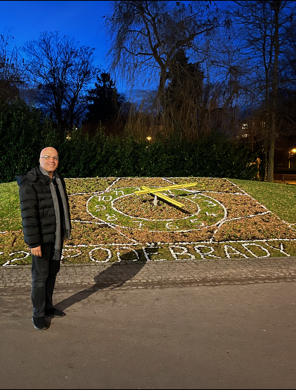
291,153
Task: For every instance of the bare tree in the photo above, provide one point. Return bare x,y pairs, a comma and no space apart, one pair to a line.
287,81
146,35
262,26
10,69
62,70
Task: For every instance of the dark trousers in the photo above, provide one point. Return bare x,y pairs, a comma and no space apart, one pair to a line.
44,272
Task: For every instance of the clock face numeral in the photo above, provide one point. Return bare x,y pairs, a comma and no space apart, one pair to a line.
210,204
171,226
100,207
197,222
211,214
104,198
140,223
123,208
111,218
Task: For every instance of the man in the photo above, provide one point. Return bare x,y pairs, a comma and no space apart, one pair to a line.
46,222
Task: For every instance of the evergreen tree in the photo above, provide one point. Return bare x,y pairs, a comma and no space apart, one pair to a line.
104,101
184,91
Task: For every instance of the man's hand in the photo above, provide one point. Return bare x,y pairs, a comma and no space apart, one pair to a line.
36,251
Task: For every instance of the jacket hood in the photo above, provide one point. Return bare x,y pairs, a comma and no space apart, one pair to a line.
32,175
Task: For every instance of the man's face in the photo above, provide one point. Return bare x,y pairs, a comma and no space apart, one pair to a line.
49,159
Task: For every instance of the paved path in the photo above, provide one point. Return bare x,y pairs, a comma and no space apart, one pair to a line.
226,337
159,274
218,324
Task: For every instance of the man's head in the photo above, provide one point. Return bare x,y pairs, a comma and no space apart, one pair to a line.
49,160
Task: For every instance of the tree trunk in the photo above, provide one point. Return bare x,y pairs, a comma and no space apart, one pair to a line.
276,7
161,88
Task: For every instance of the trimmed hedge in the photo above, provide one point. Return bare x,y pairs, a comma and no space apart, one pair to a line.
24,133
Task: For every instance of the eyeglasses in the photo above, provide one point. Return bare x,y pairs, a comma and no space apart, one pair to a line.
56,158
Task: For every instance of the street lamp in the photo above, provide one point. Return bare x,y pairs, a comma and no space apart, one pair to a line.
149,140
291,153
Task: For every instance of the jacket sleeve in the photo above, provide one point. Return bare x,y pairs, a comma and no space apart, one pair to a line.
67,198
30,215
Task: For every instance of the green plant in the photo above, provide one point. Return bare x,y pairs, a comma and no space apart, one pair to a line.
277,197
24,133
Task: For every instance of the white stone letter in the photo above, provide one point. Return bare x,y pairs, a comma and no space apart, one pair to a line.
184,252
130,249
233,251
100,261
203,254
254,254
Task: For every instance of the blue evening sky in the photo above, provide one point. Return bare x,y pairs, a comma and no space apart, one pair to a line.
81,20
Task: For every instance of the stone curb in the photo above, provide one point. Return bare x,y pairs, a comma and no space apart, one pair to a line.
127,275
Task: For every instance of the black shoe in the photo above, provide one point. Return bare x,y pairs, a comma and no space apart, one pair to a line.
39,323
55,313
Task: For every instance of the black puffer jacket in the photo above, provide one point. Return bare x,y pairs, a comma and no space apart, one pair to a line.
37,209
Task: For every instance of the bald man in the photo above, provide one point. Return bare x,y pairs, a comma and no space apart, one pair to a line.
46,222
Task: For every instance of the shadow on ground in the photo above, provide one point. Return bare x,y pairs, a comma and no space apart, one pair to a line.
111,277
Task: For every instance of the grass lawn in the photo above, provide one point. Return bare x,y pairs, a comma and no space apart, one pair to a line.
10,215
278,198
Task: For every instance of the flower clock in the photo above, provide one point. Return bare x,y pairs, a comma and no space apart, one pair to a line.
148,209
